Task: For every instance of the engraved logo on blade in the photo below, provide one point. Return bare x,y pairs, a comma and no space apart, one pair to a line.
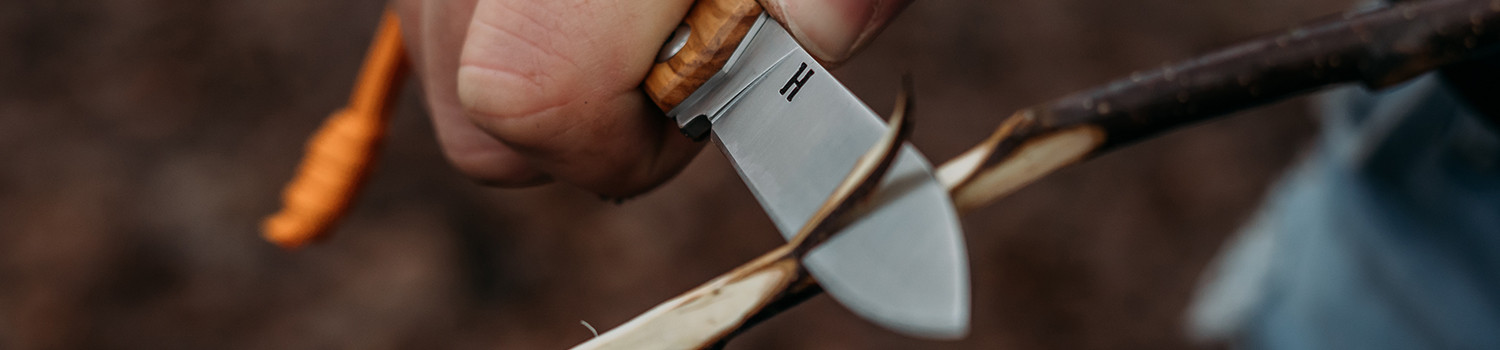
797,82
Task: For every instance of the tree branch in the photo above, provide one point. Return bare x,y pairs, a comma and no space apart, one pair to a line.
1379,47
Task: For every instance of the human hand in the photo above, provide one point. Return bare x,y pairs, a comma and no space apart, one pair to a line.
526,92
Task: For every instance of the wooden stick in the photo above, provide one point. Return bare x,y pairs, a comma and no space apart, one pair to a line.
706,316
1379,48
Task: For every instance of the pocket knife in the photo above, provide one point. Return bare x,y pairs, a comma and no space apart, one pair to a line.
793,132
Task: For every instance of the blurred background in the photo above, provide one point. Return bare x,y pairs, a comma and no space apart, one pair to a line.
142,141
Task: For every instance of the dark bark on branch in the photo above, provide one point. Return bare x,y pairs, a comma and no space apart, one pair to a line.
1378,47
1477,81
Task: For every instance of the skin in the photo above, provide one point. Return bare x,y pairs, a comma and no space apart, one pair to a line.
525,92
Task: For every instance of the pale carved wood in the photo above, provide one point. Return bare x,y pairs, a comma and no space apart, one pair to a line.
706,316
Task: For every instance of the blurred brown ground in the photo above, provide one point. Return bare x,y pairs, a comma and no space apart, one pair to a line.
141,141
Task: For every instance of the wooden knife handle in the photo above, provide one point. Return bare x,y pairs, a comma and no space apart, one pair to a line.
716,28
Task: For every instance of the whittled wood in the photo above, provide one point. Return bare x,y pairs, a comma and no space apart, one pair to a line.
707,316
1378,48
717,28
704,315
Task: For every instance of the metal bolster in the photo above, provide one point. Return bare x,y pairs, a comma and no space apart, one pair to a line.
692,116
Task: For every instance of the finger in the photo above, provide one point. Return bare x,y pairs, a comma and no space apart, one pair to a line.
832,30
558,81
478,155
434,33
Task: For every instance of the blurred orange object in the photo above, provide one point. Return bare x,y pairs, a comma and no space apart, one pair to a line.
342,152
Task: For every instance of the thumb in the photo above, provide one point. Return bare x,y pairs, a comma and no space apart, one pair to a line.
832,30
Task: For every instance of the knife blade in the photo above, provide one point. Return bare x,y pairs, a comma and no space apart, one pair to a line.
793,132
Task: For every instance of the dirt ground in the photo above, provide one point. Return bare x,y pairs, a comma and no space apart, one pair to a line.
141,142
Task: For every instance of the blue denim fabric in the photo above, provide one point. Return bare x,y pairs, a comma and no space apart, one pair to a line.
1387,236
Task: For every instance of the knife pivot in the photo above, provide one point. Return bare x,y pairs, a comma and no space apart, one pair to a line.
675,43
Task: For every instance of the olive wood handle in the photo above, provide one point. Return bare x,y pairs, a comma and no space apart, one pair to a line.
716,28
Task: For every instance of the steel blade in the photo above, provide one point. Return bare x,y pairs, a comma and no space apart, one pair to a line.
793,134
